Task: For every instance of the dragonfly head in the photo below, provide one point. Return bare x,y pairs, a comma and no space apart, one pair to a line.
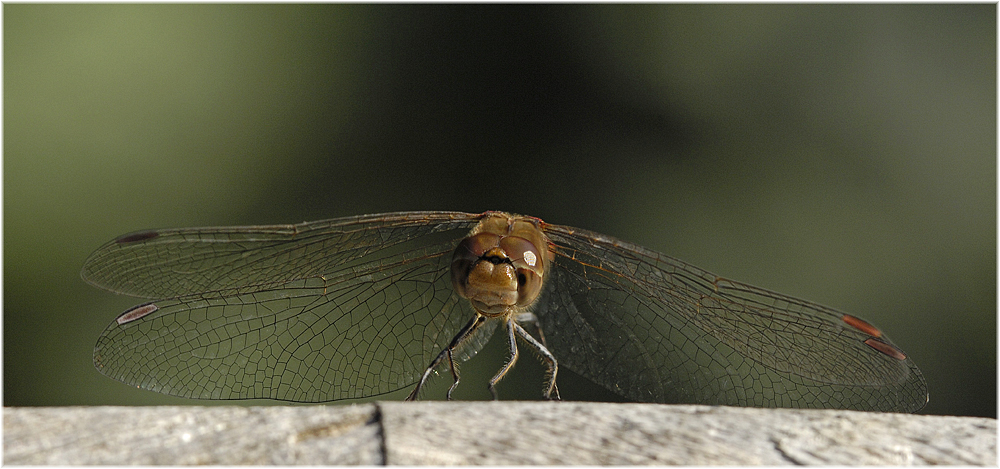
500,266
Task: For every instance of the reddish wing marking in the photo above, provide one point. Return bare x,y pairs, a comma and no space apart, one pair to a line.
886,349
141,236
136,313
874,342
861,325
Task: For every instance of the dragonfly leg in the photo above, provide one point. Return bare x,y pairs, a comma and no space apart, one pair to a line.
454,371
510,361
550,360
550,391
448,353
427,374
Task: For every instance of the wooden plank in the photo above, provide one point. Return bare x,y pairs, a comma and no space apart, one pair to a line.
490,433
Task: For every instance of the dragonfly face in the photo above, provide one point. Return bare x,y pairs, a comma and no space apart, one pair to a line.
363,306
501,265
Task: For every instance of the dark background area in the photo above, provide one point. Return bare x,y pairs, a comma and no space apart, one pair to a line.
842,154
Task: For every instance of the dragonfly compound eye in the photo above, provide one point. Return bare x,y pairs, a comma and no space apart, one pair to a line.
530,268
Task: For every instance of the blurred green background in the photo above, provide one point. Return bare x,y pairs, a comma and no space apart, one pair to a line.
842,154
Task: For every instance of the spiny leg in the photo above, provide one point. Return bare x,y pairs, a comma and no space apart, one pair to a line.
543,350
454,372
509,324
462,335
550,360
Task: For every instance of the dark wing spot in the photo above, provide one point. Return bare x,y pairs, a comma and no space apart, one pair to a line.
140,236
136,313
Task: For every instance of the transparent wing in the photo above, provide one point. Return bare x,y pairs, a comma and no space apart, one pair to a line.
655,329
177,262
315,312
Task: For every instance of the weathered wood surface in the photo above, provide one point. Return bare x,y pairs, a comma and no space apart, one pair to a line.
490,433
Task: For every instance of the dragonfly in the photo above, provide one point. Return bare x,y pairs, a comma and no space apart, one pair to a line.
363,306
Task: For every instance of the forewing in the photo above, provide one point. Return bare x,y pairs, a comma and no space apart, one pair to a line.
655,329
171,263
369,330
